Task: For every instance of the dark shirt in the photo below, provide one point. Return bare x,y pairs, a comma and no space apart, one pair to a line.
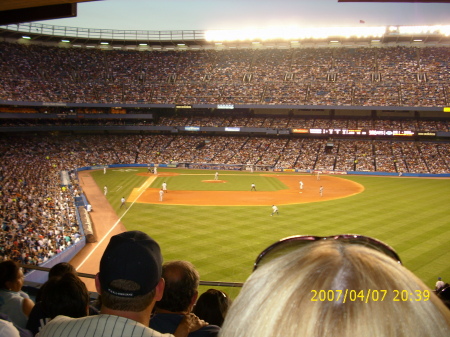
39,318
168,323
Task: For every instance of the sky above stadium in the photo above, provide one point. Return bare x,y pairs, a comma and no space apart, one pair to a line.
243,14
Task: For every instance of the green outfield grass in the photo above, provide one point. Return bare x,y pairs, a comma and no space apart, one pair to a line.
410,214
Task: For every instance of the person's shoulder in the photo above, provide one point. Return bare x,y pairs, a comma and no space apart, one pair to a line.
89,324
8,329
206,331
54,324
165,322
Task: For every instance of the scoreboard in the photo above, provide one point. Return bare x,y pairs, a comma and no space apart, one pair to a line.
355,132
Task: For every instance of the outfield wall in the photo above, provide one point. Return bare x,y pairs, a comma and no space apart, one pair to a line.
244,167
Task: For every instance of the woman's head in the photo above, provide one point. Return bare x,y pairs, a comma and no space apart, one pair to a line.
11,276
212,306
282,296
66,295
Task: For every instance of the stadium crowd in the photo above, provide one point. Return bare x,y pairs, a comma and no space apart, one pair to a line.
391,76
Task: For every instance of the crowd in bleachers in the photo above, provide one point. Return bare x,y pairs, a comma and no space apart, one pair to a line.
390,76
37,215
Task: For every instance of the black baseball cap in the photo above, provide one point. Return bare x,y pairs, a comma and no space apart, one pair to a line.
132,256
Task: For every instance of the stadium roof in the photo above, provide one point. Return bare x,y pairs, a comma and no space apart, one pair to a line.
16,11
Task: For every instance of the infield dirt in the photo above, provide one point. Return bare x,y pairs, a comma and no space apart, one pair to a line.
333,188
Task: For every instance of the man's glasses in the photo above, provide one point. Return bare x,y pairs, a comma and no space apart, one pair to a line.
291,243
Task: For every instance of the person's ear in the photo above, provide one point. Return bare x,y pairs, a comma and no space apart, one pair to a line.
194,299
160,289
97,284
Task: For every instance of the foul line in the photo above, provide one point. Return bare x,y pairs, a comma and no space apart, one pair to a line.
147,183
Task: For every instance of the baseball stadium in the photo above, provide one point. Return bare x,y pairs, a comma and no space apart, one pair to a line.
194,139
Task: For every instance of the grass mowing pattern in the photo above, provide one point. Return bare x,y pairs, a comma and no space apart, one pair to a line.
410,214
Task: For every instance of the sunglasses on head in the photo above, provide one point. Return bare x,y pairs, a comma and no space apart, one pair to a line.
291,243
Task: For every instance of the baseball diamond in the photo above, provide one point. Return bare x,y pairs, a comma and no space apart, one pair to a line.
207,221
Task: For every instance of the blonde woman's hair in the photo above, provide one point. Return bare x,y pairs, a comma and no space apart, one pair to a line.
278,298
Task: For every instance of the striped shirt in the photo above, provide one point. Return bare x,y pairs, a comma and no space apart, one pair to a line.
98,326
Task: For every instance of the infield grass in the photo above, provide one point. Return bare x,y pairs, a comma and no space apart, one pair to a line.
410,214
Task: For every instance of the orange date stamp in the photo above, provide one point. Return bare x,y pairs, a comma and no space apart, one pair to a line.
369,295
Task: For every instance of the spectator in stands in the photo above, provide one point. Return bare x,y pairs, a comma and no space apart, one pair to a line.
8,329
308,286
14,303
60,295
63,295
212,306
180,295
129,283
56,271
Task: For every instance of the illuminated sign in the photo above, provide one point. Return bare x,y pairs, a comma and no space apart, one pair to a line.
338,131
406,133
377,133
300,131
426,134
183,106
358,132
191,128
231,129
354,132
225,106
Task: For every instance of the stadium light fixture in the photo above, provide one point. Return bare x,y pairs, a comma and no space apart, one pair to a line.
292,33
26,37
104,43
65,41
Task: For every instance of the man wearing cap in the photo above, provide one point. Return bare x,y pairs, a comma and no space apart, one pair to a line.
129,283
180,294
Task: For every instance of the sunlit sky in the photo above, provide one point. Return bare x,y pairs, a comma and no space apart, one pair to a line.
242,14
